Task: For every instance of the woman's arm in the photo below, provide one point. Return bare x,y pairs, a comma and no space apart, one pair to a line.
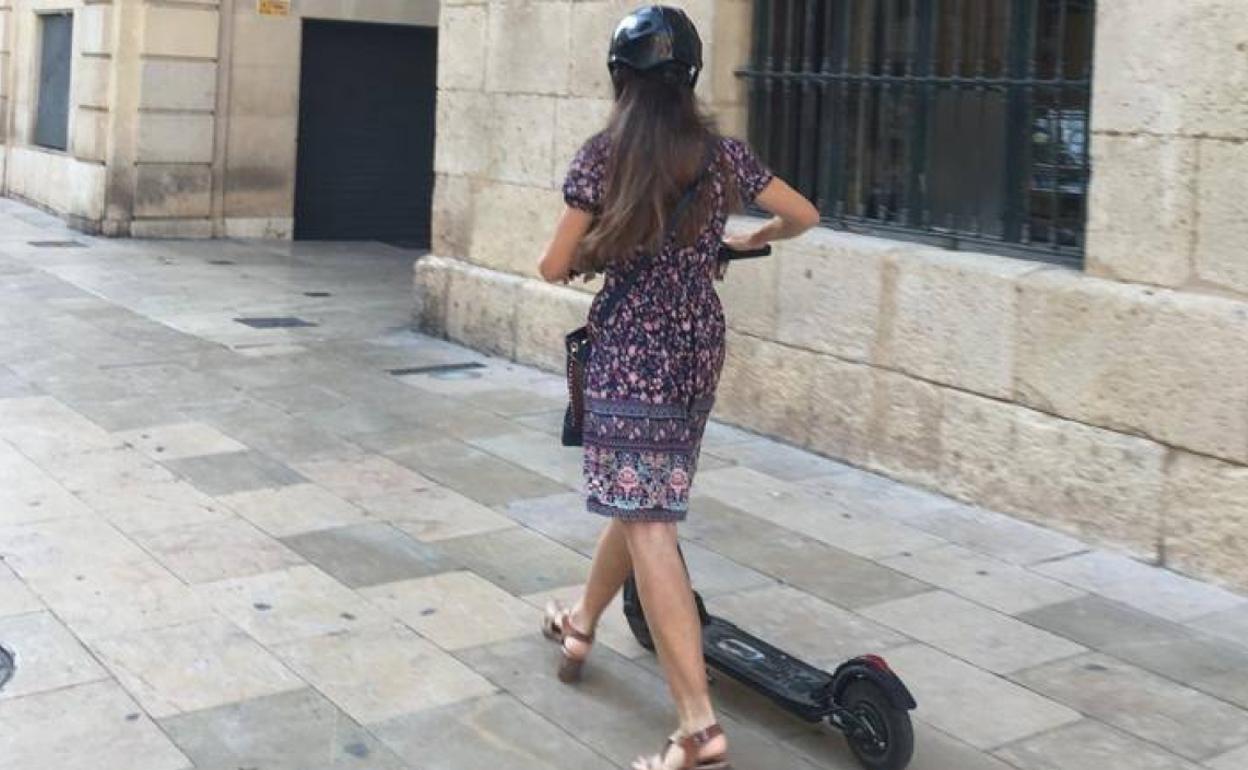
794,215
556,263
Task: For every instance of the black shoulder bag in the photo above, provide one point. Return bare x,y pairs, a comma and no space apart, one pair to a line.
578,343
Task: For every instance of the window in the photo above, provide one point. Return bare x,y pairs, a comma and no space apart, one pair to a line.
959,122
55,59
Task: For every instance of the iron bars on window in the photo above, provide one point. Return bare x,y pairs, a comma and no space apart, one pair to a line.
959,122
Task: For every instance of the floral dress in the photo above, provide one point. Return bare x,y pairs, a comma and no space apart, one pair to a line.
655,363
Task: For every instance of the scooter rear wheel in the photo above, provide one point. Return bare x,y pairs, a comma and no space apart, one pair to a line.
887,743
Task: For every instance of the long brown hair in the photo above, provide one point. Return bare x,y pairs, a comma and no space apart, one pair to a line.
658,139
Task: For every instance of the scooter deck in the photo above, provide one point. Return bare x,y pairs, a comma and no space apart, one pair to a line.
796,686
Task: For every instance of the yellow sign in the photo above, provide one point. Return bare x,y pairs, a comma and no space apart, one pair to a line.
274,7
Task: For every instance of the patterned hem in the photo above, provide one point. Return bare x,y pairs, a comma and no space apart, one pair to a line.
638,514
616,408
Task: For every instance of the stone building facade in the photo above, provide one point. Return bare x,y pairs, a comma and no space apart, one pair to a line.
1111,400
183,114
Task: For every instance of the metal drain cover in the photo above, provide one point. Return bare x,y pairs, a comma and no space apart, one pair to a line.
281,322
6,667
58,244
222,262
465,371
317,294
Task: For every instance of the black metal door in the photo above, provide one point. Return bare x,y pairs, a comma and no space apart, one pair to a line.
366,132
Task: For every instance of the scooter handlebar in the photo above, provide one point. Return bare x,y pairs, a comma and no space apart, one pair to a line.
729,254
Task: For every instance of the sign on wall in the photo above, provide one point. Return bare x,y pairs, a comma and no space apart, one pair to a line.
273,7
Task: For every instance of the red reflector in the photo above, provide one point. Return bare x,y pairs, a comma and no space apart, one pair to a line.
876,662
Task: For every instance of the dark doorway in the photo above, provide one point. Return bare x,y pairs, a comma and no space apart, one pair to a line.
366,132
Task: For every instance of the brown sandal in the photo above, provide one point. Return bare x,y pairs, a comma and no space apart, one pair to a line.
689,746
557,627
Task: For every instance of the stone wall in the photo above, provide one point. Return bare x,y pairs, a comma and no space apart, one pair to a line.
71,182
149,156
1112,403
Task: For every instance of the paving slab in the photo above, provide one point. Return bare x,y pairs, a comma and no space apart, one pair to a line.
436,514
987,639
790,506
59,546
299,730
103,600
990,533
202,553
476,474
1233,760
367,476
1231,625
27,494
934,750
617,710
1156,591
379,672
108,731
972,705
1201,661
289,604
819,633
224,474
562,518
715,575
817,568
15,597
141,507
1090,746
778,460
371,554
179,669
46,656
111,468
294,510
518,560
180,441
534,451
494,731
456,610
1187,722
983,579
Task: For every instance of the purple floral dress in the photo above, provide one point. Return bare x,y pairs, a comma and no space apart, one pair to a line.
655,364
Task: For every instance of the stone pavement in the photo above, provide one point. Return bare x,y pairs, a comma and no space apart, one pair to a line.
231,547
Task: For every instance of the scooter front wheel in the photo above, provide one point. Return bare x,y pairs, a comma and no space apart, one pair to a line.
883,738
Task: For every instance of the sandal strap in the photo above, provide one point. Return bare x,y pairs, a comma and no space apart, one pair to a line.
689,744
571,632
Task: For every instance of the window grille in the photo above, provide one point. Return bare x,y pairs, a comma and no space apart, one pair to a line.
958,122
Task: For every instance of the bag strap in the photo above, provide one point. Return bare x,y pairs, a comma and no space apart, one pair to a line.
626,284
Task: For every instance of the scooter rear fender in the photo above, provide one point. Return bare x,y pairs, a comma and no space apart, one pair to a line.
874,669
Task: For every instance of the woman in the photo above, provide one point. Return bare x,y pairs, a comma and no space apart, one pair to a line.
647,201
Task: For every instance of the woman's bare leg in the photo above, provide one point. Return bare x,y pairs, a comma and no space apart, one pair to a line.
672,615
610,568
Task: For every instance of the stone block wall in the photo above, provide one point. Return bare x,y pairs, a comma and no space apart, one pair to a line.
185,114
1111,402
71,182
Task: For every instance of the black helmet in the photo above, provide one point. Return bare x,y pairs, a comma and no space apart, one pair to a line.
656,35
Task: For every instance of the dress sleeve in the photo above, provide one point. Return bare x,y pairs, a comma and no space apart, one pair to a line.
752,175
583,186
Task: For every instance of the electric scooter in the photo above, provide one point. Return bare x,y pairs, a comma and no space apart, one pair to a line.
863,698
